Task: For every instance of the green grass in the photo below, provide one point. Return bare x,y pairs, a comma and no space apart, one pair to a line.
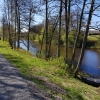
93,37
96,39
53,70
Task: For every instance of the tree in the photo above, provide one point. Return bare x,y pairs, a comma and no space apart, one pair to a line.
30,19
85,38
59,33
52,33
67,16
46,29
79,30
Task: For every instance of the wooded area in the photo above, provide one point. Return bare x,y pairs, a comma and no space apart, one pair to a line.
64,22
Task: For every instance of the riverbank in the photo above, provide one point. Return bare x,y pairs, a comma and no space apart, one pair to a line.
50,73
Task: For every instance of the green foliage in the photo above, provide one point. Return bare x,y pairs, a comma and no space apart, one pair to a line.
49,34
59,62
32,36
42,31
98,42
40,38
41,35
96,39
63,38
0,32
73,95
71,40
80,40
37,38
54,41
92,38
60,72
72,37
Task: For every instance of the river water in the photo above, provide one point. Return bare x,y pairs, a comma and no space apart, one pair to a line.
90,63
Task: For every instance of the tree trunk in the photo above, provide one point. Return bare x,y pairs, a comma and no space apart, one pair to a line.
3,30
85,39
67,20
11,25
59,34
50,40
18,23
42,43
15,35
79,30
46,30
29,30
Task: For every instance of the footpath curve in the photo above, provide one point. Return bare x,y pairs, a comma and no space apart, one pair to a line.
13,86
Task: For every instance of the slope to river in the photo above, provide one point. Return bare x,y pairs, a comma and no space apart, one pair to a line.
52,74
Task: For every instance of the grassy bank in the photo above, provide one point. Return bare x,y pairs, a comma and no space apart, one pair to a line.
51,71
96,39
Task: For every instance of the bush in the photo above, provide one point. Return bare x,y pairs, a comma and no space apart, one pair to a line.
72,37
59,62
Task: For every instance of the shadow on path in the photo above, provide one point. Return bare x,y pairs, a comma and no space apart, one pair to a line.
13,86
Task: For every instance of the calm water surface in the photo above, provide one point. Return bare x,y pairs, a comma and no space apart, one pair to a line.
91,60
91,63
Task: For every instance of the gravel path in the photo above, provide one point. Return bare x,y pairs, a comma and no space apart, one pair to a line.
13,86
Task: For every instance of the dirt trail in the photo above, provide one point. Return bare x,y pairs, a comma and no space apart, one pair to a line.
13,86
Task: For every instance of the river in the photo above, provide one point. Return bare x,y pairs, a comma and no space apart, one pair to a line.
90,63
